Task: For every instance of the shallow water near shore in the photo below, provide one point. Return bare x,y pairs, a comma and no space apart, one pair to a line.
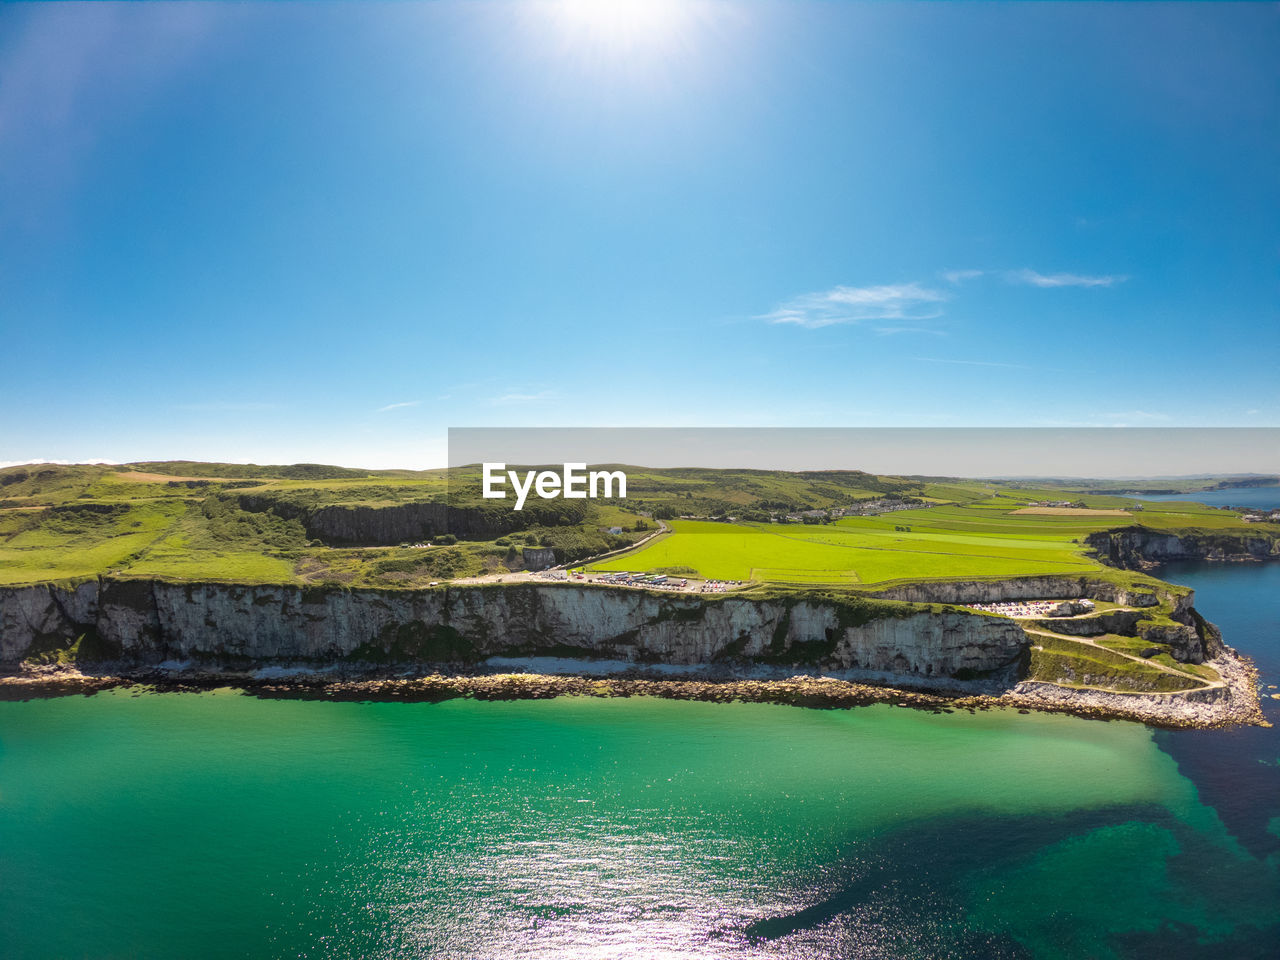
218,824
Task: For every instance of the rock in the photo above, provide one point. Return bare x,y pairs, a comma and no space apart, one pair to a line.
153,622
389,525
1138,547
1070,608
538,558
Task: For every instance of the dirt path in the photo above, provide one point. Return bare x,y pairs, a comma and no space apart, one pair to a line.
662,529
1089,641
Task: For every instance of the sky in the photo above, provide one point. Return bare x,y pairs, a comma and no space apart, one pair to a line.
330,232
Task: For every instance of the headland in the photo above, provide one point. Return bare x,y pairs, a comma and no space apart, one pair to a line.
942,595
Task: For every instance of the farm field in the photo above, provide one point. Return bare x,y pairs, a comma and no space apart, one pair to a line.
981,539
853,550
1070,511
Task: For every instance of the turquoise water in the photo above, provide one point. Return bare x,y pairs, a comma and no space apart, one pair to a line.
219,825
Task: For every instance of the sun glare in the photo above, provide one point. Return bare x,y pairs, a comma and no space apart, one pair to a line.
622,24
624,17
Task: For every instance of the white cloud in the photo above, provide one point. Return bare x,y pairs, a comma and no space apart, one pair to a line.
960,276
903,301
398,406
61,463
1037,279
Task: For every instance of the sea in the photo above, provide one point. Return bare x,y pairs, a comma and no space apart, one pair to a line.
1264,498
174,825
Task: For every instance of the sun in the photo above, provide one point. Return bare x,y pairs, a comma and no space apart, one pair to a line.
621,24
620,17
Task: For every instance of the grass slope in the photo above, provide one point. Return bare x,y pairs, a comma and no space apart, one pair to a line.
1074,663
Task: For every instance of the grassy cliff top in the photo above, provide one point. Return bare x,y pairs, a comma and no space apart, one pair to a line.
247,523
997,537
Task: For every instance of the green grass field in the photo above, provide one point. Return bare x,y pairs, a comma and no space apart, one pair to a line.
854,550
245,523
187,521
983,538
60,546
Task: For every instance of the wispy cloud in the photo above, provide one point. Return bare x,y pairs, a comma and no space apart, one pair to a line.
974,363
1037,279
65,463
509,399
960,276
903,301
398,406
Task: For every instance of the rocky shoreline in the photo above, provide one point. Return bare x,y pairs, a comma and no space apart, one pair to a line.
1236,703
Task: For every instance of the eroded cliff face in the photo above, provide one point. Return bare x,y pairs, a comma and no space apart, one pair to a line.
1136,548
1190,637
1022,588
151,621
398,523
364,525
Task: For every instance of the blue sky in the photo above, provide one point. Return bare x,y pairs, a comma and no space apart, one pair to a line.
329,232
